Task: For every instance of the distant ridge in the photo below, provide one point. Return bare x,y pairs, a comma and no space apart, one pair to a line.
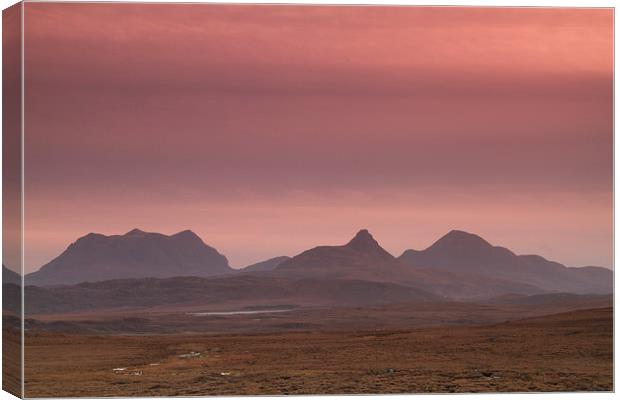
136,254
463,252
234,290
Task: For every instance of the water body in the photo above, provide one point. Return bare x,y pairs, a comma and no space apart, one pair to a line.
246,312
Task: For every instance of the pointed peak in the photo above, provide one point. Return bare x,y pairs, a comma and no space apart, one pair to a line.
135,232
461,238
363,240
363,233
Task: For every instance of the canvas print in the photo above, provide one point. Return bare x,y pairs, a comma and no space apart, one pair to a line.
233,199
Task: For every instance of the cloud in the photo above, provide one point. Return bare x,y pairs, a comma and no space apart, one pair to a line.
132,107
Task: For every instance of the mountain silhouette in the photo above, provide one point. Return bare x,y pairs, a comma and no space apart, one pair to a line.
364,242
458,266
463,252
361,258
136,254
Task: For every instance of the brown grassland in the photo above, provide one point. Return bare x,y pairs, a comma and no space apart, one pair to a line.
11,362
569,351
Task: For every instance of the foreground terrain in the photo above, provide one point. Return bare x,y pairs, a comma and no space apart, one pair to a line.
570,351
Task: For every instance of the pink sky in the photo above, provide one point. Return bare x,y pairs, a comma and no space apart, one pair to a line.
271,129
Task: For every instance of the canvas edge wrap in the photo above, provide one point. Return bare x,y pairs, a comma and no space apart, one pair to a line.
12,200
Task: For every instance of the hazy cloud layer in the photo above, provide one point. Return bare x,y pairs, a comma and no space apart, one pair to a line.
252,124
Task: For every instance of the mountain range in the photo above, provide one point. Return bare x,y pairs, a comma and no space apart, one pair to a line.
140,269
136,254
458,265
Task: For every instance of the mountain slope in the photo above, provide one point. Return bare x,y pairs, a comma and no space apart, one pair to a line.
136,254
266,265
462,252
10,276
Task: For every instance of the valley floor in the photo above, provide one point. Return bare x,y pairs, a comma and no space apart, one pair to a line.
570,351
